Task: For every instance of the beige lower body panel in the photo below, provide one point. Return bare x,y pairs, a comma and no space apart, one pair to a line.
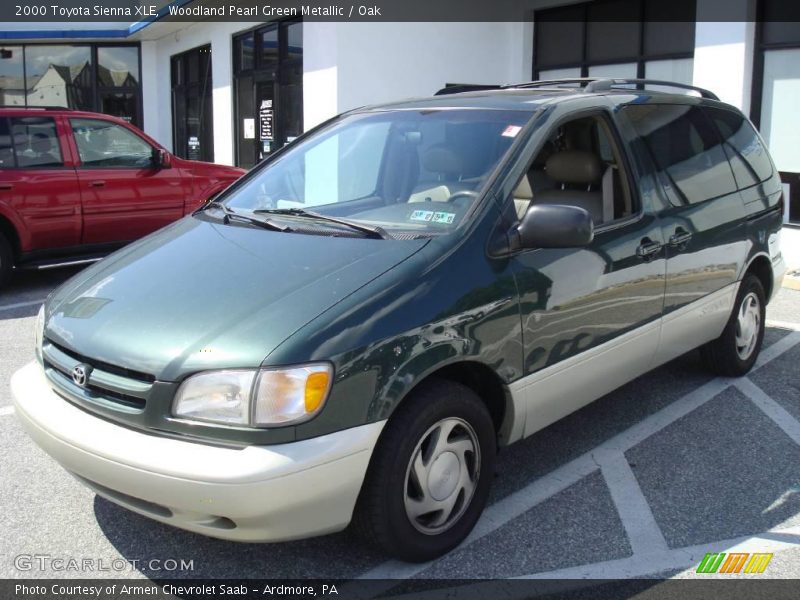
546,396
257,493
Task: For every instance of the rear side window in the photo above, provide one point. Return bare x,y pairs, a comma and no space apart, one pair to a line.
748,157
686,149
35,142
6,149
106,144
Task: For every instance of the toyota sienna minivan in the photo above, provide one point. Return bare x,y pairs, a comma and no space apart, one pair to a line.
353,329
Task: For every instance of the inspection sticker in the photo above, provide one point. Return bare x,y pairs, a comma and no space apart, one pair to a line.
443,217
511,131
421,215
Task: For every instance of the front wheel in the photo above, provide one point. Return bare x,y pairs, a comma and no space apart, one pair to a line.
735,352
430,475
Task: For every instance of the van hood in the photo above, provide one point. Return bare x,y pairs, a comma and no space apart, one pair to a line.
201,295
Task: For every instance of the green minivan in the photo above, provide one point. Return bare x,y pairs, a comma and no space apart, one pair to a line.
352,330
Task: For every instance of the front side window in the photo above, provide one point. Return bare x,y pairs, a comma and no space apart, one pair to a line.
749,159
35,142
685,148
105,144
580,165
402,170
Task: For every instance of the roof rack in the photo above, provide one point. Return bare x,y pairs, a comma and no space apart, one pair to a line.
598,84
457,88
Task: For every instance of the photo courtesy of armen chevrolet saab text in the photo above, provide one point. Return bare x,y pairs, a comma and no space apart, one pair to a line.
352,331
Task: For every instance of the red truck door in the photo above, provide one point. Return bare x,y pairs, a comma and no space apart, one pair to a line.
38,183
124,195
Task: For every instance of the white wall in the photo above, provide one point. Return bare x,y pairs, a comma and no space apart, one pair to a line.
345,65
723,54
381,62
156,77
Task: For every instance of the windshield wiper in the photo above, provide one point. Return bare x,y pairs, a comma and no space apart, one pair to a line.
372,231
230,214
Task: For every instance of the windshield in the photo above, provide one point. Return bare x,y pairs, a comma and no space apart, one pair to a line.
417,171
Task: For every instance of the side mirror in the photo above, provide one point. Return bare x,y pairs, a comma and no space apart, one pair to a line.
555,226
162,159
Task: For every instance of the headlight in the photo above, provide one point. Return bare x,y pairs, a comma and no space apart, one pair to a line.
255,398
39,333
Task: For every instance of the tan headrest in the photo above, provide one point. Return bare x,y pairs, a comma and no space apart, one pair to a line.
574,166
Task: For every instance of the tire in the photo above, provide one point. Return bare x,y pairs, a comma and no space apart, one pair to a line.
6,260
458,480
734,353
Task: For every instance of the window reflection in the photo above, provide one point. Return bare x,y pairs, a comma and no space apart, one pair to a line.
12,81
118,66
59,76
66,75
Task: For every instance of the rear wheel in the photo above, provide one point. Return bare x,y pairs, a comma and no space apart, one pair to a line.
735,352
6,260
430,475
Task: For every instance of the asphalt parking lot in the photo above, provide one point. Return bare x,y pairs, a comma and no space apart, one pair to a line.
641,483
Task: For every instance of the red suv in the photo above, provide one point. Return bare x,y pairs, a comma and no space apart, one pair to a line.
76,185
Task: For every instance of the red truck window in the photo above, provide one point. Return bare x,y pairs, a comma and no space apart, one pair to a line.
35,142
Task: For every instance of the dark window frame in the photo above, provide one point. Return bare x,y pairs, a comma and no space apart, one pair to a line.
640,58
762,46
275,70
96,88
187,87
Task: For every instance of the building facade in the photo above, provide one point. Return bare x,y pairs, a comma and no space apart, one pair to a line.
233,92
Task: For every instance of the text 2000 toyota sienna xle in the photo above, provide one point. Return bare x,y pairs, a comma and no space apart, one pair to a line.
353,329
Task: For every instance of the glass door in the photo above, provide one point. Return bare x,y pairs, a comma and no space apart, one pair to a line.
268,79
192,108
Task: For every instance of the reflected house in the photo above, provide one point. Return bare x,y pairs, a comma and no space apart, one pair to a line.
109,78
61,85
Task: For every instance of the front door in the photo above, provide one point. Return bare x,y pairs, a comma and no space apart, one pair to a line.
590,316
123,195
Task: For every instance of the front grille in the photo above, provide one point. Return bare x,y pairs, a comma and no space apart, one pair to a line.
107,385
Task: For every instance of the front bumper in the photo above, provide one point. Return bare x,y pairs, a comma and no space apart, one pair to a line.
256,493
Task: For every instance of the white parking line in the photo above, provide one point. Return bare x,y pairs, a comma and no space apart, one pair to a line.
6,410
772,409
783,325
640,565
22,304
541,489
643,532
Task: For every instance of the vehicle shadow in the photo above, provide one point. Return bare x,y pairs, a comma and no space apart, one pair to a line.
148,544
24,293
343,555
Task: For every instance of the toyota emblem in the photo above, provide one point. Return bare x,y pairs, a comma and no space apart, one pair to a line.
80,374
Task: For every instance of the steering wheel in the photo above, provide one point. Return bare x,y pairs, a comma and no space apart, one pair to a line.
462,194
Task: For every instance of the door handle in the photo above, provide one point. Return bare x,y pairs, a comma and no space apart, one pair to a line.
6,186
97,183
681,237
648,249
